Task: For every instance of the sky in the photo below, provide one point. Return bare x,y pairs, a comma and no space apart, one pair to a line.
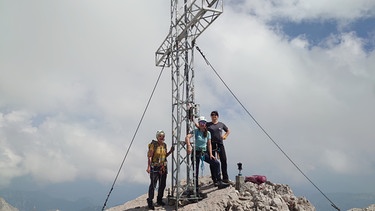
75,78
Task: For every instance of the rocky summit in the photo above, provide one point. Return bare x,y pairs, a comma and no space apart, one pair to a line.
370,208
4,206
249,196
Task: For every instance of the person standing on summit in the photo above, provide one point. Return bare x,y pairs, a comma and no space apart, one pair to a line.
216,129
157,168
203,152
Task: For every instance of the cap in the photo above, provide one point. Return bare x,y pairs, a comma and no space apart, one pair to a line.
201,119
214,113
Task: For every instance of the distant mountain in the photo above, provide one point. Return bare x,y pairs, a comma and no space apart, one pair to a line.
344,201
35,200
4,206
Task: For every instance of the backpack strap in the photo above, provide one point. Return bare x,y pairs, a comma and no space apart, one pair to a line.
155,144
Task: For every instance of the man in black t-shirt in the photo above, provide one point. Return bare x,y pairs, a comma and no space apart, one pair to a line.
216,129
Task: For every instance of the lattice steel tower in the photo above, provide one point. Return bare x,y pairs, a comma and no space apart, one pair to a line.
189,18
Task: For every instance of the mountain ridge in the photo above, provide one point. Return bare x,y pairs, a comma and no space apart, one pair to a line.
250,196
5,206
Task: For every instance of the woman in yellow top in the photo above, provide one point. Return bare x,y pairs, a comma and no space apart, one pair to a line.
157,168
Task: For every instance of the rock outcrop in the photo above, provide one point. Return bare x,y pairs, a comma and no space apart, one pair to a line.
370,208
4,206
265,197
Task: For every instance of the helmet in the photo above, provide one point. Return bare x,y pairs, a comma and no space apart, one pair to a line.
201,119
159,132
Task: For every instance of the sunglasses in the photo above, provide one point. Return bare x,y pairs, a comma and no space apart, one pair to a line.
202,123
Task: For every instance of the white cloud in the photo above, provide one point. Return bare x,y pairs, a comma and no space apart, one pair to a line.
309,98
9,165
75,79
295,10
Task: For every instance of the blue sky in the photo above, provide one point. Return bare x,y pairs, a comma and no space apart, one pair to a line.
316,32
76,76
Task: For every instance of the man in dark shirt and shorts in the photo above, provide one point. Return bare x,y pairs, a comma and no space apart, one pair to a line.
216,129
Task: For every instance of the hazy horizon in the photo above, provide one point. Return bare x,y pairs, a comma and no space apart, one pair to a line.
75,77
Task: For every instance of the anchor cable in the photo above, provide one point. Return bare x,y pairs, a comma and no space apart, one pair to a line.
264,131
135,133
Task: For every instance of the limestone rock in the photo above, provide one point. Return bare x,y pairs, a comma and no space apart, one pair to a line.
370,208
4,206
265,197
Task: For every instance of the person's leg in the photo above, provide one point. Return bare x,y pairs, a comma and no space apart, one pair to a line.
223,161
212,168
213,175
197,161
151,188
162,185
214,148
215,166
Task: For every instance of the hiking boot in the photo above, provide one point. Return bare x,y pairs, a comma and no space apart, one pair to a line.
150,205
222,185
214,181
160,202
202,195
226,180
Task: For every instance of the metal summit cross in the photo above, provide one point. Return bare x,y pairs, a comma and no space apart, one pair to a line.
189,18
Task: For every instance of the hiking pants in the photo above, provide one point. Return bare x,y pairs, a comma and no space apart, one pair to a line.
155,176
220,149
214,166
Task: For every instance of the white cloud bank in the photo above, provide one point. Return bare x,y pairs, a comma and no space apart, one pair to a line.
76,76
300,10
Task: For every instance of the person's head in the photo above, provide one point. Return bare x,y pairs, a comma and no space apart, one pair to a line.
214,115
160,135
202,121
202,125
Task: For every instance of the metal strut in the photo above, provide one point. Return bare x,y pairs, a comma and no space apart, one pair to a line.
189,19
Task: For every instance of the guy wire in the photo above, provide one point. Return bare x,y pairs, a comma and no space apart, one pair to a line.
264,131
135,133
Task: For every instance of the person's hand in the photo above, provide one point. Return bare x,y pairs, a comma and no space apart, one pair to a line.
212,157
148,169
189,149
170,151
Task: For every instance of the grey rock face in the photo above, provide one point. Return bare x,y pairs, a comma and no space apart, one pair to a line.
251,197
370,208
4,206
